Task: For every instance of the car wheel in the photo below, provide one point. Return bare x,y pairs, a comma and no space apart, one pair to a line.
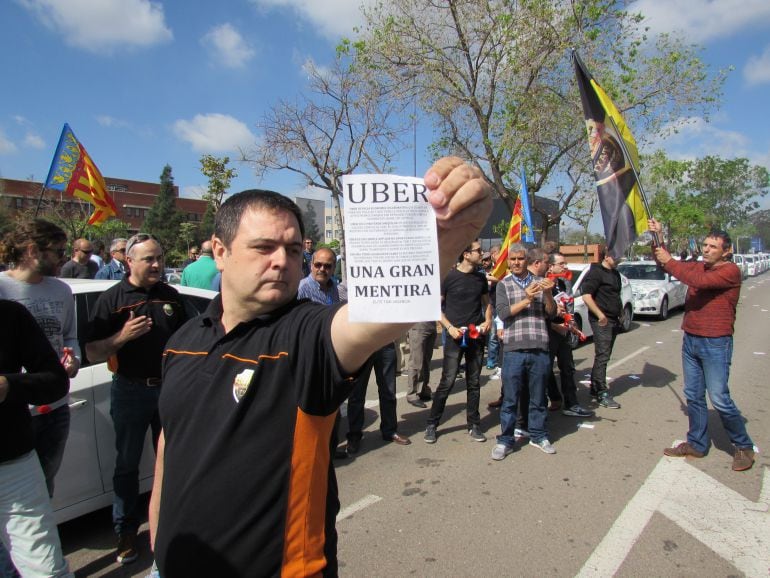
663,313
628,317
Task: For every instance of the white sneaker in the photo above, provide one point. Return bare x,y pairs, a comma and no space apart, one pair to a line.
520,433
500,451
496,373
543,445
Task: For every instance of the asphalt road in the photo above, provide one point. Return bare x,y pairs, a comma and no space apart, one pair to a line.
607,503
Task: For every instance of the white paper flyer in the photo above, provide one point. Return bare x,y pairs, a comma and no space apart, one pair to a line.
391,250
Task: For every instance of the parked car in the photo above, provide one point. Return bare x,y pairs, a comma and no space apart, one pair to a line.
740,262
655,291
752,265
84,481
172,275
579,271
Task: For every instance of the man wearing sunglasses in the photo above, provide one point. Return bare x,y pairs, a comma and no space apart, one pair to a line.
80,266
319,286
129,327
116,268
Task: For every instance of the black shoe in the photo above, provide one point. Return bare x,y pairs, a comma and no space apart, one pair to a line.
126,552
354,445
606,401
430,434
417,403
426,395
340,454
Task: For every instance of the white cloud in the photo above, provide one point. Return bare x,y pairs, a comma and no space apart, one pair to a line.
228,46
192,191
108,121
214,133
6,146
333,18
694,137
757,69
703,20
103,25
34,141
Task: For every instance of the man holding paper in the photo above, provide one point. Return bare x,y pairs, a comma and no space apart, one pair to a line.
262,374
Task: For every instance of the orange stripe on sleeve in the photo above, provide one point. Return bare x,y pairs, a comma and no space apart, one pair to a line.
303,551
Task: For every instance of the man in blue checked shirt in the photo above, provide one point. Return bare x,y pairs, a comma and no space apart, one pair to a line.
319,286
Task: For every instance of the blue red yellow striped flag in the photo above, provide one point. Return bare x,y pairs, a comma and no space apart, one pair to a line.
74,172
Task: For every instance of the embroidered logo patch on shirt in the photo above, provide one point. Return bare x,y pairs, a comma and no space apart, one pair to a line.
241,384
168,309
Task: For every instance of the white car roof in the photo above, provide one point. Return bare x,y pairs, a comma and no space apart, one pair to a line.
100,285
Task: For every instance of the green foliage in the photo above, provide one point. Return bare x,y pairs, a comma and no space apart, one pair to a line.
691,197
215,168
497,79
206,225
163,219
501,229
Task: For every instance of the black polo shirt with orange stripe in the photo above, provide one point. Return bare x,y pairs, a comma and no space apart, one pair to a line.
248,486
140,358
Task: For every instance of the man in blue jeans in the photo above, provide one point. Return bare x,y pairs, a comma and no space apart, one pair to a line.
129,328
713,288
601,294
524,304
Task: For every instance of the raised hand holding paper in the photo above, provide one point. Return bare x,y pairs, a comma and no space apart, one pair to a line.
391,250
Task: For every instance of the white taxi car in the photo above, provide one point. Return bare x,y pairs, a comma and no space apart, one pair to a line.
655,291
84,481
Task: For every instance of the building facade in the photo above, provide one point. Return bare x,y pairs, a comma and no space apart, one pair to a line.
133,200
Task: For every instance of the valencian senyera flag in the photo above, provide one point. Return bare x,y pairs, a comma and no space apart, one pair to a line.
73,172
519,229
614,156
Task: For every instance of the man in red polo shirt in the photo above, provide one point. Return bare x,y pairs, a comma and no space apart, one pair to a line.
714,286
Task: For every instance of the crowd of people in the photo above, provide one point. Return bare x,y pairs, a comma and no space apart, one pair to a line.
264,370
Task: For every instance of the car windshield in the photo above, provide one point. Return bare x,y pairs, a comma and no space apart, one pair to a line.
644,272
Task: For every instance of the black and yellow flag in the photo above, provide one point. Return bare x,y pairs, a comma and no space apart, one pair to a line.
614,156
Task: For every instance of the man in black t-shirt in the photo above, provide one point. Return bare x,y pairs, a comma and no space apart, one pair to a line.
243,480
129,328
464,295
601,294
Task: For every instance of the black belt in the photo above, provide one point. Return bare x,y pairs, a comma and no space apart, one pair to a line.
145,381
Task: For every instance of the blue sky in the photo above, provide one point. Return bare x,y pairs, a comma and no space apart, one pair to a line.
143,84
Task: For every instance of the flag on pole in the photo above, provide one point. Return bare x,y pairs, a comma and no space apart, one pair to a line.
519,229
615,158
73,172
527,233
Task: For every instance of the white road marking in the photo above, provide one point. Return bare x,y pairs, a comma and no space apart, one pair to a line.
627,357
733,527
370,403
364,502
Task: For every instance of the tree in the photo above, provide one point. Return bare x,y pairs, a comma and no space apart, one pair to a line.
728,189
311,226
219,176
346,123
497,77
690,197
187,234
761,222
206,225
163,219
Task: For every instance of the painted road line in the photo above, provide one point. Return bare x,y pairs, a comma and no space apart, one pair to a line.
727,523
627,357
370,403
364,502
